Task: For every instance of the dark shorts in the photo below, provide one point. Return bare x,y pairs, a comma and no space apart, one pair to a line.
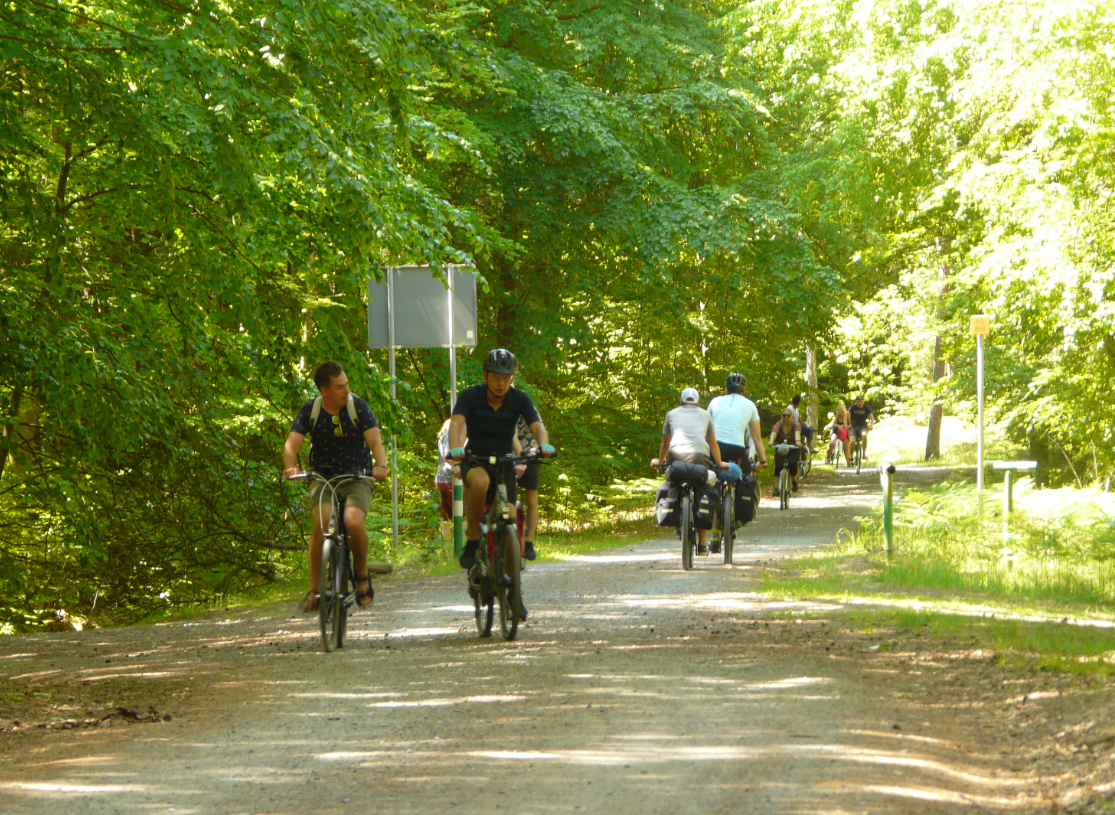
790,461
740,455
494,478
529,479
689,458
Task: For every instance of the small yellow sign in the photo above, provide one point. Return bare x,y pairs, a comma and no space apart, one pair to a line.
981,325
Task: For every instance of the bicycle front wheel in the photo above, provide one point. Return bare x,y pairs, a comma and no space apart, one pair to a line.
859,454
784,489
686,529
329,599
484,607
806,461
728,521
509,574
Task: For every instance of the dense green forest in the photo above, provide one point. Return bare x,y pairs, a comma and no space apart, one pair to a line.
193,195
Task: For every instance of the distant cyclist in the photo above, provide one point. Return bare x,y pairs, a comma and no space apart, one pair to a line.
736,421
786,432
838,434
689,435
806,431
863,421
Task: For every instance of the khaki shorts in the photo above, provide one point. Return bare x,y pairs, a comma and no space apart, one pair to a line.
356,494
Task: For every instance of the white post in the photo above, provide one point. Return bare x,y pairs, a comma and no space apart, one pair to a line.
979,396
394,438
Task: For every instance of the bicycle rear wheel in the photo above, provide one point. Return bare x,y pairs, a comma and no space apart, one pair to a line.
784,489
806,461
331,599
686,529
509,574
728,522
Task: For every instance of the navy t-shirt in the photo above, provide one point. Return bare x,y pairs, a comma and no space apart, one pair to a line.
490,431
859,414
333,453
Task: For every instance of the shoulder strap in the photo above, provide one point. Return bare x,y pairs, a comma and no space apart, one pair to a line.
314,412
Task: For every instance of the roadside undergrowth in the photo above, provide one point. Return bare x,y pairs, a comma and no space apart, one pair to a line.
1043,591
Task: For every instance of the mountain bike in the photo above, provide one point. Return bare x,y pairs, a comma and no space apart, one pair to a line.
858,449
832,457
784,485
497,574
337,592
727,485
688,478
805,460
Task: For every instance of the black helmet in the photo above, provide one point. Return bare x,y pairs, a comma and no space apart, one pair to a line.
500,361
735,383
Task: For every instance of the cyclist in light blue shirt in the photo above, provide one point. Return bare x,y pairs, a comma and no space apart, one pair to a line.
736,420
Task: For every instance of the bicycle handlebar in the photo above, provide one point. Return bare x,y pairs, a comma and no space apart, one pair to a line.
509,458
307,475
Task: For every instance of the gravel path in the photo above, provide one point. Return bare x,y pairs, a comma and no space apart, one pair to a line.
635,688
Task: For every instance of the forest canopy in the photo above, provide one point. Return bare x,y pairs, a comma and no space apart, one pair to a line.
193,196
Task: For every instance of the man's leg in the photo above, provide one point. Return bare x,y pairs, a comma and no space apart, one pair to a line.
531,520
358,543
476,489
865,443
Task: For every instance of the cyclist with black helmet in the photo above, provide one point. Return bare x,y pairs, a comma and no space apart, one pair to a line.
736,420
490,411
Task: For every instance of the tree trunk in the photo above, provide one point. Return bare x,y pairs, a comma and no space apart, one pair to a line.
941,366
811,383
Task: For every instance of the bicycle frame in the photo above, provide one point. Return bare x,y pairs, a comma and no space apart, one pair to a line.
497,573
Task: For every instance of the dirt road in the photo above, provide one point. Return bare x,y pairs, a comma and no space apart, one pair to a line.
635,688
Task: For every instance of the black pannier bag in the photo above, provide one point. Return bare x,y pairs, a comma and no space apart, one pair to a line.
707,499
667,505
682,472
746,500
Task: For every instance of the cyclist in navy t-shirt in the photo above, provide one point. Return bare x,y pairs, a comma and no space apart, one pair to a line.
339,445
490,412
863,420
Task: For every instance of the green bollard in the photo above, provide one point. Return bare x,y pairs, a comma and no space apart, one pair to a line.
886,480
458,517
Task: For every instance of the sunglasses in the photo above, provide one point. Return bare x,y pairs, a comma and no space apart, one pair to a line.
784,415
337,429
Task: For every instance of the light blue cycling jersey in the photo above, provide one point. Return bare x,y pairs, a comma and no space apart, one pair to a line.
732,416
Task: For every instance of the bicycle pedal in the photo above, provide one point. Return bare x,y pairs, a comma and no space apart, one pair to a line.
505,581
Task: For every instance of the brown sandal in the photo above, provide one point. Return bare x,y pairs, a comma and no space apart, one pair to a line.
309,602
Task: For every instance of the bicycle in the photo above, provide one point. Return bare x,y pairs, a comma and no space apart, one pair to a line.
497,573
687,477
727,485
805,461
859,445
784,486
337,594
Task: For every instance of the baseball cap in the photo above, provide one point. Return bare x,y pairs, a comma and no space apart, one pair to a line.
689,396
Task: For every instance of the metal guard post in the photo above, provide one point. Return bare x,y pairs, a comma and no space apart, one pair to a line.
886,480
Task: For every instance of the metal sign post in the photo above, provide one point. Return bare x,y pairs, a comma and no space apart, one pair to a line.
981,327
412,308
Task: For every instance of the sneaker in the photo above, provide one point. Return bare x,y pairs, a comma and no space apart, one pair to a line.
794,487
468,556
528,550
522,611
714,547
702,549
